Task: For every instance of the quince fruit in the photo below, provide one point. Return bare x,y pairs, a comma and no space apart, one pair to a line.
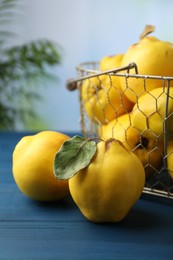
110,185
111,62
152,57
170,158
103,99
147,146
150,112
33,159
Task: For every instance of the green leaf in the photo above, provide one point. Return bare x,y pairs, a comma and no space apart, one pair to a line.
74,155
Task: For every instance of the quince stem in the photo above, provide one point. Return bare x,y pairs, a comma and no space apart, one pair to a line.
147,30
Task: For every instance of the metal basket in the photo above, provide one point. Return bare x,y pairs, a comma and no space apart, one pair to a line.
159,184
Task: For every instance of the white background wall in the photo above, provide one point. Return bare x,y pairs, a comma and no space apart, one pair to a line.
87,30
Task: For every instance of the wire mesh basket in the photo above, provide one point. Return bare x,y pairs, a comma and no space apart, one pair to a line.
135,109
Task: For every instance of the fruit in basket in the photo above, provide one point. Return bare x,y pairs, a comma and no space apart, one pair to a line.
117,128
152,57
33,159
103,99
111,62
150,110
146,145
110,185
170,158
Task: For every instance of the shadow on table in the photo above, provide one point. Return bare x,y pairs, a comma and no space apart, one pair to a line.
142,216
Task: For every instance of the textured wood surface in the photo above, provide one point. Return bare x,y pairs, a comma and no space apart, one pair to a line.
32,230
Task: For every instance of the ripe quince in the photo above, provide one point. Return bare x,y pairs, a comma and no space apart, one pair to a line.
110,185
146,145
103,99
170,158
111,62
152,57
150,112
33,159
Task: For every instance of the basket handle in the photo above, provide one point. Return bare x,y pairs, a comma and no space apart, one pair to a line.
72,83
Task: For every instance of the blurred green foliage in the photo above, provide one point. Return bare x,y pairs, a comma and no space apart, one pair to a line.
22,70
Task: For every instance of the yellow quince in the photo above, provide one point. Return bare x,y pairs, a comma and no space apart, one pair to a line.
33,159
146,145
103,99
150,112
152,57
170,158
110,185
111,62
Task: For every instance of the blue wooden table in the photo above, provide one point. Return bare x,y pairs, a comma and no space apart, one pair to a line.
33,230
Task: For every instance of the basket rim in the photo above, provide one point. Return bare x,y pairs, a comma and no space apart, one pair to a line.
82,67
